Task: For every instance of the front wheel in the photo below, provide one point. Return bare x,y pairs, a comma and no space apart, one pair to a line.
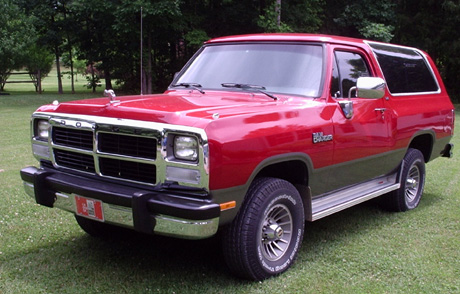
266,235
408,196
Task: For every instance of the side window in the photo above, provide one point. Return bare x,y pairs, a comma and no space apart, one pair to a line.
347,68
405,69
335,83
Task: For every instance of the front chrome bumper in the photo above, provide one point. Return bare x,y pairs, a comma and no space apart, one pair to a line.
181,223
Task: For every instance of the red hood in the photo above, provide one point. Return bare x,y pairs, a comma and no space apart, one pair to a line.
174,107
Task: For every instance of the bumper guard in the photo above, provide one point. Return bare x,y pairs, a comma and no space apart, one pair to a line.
144,211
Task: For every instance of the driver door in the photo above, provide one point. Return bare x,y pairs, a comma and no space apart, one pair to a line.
362,138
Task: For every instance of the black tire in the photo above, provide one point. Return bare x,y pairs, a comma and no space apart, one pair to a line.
408,196
265,237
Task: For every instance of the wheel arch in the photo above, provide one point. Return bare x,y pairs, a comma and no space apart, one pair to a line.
424,142
293,171
294,168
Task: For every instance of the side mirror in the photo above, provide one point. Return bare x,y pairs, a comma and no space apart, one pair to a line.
347,108
370,87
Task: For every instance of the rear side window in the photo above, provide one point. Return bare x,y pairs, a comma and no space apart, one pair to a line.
405,69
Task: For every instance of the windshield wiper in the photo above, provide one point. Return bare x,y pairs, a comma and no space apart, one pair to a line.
249,87
194,86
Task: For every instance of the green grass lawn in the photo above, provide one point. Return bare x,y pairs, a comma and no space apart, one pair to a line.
361,250
49,83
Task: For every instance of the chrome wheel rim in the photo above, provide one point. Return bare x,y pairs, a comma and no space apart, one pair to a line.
276,232
412,183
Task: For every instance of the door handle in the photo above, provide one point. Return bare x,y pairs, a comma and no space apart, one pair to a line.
382,112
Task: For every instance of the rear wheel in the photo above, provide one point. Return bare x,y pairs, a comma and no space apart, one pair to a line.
408,196
266,235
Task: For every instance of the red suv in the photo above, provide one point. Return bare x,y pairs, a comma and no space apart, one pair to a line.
255,135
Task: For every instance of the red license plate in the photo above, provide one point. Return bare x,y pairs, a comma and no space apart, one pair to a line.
90,208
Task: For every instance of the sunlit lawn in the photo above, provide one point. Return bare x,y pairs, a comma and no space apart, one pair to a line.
49,83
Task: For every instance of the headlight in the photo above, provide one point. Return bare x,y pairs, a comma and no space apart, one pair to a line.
185,148
42,130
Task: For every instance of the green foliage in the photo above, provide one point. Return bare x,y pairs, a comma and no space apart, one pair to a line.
374,19
38,59
38,63
377,31
79,66
195,38
449,47
49,85
108,32
93,81
433,26
269,21
304,16
16,35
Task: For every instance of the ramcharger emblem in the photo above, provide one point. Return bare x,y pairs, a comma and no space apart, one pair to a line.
320,137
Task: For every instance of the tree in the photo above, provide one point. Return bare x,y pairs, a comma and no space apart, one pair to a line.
270,21
38,63
107,33
303,16
70,29
433,27
161,32
449,46
78,67
94,37
50,25
371,19
16,34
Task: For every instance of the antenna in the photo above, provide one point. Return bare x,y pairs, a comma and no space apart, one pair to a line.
142,84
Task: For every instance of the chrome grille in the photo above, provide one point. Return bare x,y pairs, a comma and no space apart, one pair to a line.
142,147
81,139
74,160
130,170
122,149
122,156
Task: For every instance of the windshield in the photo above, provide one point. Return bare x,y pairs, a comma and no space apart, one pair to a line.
278,68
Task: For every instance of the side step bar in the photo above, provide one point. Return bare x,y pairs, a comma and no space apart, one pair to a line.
328,204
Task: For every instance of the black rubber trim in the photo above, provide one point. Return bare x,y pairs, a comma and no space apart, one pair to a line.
48,182
141,217
447,152
43,195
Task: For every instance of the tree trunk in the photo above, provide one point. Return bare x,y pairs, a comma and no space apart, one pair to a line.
70,54
93,78
34,77
39,81
149,66
108,79
58,68
278,13
71,70
3,77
